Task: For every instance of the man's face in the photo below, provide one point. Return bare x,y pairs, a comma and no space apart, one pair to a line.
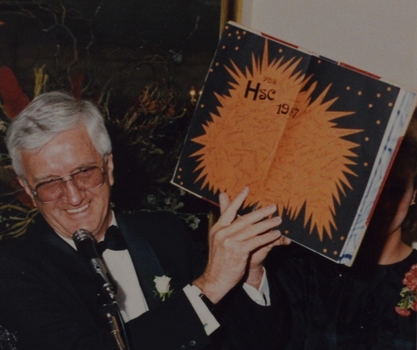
64,154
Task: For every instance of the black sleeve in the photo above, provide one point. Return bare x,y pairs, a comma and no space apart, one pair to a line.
39,316
173,326
245,324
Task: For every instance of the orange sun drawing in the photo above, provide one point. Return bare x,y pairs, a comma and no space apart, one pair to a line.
269,135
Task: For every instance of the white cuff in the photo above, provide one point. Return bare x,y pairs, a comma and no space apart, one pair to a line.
260,296
209,322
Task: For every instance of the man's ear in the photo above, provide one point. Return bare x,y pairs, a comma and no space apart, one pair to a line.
25,186
109,168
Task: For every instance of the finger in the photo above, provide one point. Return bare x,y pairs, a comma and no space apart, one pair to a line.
229,213
224,202
264,250
259,254
259,241
284,241
256,229
247,222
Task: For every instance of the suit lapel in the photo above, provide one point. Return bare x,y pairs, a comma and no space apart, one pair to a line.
62,265
60,251
146,263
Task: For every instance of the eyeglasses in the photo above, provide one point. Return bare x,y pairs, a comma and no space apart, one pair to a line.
84,179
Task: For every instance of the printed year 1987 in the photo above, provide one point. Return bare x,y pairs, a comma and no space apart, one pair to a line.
284,108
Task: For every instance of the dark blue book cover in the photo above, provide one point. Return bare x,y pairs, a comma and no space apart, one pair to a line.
314,136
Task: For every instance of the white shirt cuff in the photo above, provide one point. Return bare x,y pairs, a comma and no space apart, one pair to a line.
260,296
209,322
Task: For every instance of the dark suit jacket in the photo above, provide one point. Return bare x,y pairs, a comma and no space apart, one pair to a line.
48,292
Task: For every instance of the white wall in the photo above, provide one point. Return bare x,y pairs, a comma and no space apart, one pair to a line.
379,36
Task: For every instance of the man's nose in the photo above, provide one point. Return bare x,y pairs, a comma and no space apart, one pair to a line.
74,195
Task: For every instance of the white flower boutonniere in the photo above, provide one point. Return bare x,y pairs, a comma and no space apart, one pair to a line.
162,286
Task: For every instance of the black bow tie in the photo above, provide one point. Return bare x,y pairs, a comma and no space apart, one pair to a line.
113,240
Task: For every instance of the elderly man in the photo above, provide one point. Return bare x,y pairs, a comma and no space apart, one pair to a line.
51,297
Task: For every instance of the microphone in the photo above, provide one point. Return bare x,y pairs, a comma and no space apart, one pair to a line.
85,243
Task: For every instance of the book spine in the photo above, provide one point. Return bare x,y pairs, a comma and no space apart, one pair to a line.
400,118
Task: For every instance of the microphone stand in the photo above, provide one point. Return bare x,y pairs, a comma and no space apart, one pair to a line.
85,244
111,312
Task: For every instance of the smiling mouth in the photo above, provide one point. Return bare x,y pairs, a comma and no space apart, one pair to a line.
78,210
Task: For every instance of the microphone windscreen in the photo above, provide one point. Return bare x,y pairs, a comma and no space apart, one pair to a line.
85,243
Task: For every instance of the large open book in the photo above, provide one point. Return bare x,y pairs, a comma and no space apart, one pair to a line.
314,136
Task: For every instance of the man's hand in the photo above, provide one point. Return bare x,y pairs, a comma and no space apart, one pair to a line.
255,270
237,245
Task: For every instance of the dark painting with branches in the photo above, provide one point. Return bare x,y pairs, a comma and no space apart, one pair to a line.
142,62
